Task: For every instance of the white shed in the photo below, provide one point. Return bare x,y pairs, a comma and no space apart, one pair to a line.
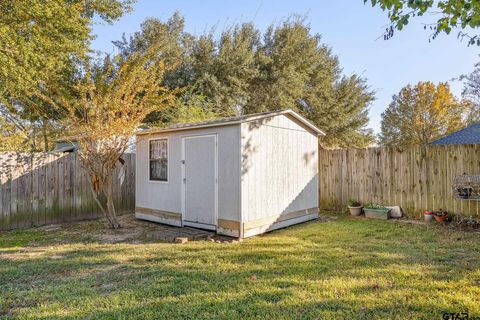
239,176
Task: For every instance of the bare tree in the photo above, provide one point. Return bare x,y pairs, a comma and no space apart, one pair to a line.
471,92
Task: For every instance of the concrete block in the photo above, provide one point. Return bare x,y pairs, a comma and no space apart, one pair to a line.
395,212
181,240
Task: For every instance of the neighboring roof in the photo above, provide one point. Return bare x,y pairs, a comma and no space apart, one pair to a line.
469,135
65,146
65,149
233,120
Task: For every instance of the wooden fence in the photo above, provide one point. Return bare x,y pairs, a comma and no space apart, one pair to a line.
43,188
417,179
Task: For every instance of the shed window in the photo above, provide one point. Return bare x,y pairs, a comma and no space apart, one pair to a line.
159,160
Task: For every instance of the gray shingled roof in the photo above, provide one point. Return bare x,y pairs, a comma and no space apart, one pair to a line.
469,135
232,120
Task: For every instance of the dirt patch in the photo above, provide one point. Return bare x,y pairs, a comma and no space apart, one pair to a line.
326,218
451,225
50,228
411,221
132,230
181,235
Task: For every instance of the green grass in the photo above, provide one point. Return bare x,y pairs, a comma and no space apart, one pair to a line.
345,268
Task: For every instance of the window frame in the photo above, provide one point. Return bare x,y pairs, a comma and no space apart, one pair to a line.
168,160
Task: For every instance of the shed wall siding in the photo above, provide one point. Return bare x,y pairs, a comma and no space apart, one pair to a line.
279,168
168,196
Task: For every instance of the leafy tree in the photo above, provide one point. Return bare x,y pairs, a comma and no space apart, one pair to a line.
175,46
304,75
21,131
41,41
191,108
11,133
244,71
224,69
452,14
110,102
170,38
287,67
420,114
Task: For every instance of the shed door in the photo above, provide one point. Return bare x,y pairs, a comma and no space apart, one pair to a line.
200,181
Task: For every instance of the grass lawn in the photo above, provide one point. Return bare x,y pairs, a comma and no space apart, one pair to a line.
344,268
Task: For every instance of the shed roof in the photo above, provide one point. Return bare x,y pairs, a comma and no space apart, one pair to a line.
234,120
468,135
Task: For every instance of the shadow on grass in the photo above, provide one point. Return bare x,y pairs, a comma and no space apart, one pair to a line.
346,268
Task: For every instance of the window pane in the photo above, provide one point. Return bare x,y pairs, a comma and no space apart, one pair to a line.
158,149
158,170
159,160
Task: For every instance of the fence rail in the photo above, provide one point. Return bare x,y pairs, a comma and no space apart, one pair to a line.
417,179
43,188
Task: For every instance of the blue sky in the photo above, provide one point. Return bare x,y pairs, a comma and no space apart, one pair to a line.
349,27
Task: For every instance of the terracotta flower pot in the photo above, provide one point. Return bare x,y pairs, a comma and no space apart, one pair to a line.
355,211
441,218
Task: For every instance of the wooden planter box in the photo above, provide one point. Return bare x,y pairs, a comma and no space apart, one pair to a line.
377,213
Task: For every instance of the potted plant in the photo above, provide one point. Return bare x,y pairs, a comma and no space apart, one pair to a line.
376,211
441,215
428,216
469,223
355,207
464,193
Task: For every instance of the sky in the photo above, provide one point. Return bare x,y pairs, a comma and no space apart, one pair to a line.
350,27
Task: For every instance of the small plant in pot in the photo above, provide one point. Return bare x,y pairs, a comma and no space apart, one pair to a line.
469,222
428,215
464,193
441,215
355,207
376,211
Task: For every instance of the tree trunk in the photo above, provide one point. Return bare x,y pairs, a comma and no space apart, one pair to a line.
109,212
33,139
110,206
45,136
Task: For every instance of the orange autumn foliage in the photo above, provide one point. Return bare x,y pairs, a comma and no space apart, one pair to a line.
420,114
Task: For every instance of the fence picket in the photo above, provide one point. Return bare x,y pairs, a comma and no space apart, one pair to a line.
43,188
417,179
